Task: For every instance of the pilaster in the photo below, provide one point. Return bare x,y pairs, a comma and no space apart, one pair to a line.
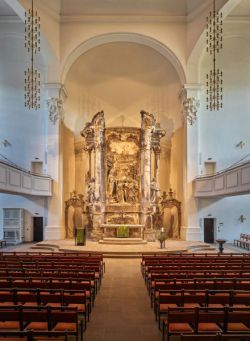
190,102
55,97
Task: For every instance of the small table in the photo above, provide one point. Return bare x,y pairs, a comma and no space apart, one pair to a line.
221,242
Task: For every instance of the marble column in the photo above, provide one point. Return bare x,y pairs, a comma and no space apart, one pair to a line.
190,100
55,97
147,127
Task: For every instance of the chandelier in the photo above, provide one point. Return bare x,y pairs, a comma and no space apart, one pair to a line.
32,44
214,45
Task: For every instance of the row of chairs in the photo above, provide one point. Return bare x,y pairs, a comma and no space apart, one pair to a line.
206,321
199,284
215,337
54,298
47,281
198,298
201,288
243,241
40,318
33,335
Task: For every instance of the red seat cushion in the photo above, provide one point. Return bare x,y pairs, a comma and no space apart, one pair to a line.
13,325
164,307
37,326
235,327
180,328
63,326
208,327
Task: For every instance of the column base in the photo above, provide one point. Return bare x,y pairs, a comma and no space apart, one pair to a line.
54,233
192,233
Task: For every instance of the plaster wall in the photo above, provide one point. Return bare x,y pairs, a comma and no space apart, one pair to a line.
226,212
24,129
122,79
32,206
171,34
222,131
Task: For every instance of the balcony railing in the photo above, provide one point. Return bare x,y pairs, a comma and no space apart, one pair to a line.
234,180
16,180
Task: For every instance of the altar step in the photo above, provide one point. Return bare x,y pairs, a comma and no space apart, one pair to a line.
123,241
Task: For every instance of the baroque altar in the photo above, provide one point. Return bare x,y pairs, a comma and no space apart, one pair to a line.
122,182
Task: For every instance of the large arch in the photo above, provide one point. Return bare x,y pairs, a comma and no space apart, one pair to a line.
193,63
123,37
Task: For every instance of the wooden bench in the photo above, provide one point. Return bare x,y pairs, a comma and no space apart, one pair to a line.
199,298
3,243
206,321
216,337
30,318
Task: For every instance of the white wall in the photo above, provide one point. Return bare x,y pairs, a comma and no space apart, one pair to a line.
24,129
226,211
32,206
221,131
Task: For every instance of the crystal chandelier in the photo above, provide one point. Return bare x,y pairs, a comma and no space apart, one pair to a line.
214,45
32,44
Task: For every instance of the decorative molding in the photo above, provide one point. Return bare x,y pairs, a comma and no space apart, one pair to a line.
55,107
68,19
190,106
129,37
18,181
231,181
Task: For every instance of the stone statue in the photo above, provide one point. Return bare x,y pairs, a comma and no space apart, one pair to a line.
91,191
154,189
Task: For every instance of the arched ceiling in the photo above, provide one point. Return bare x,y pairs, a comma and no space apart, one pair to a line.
122,79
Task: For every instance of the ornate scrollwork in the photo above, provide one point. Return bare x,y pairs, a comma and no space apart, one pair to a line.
55,107
190,106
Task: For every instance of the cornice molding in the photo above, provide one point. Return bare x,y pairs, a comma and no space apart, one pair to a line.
121,18
237,19
10,19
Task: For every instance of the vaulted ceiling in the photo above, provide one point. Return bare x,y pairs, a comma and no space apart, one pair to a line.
130,7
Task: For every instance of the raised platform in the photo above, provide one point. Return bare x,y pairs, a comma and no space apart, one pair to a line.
122,241
118,250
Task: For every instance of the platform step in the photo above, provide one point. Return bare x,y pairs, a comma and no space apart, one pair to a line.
122,241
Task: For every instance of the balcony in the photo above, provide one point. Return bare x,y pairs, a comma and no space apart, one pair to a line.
231,181
15,180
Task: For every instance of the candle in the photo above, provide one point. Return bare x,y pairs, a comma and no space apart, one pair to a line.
162,229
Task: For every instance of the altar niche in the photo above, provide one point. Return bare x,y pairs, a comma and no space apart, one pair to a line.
123,177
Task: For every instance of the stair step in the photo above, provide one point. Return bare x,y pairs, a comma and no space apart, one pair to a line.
122,241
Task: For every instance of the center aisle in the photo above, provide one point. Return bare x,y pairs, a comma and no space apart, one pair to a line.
122,308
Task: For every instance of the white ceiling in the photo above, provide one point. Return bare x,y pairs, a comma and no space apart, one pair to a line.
130,7
5,10
241,10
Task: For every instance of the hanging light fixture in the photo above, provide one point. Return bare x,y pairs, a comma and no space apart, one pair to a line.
32,44
214,81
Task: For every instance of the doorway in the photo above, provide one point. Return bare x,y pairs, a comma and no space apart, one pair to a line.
38,229
208,230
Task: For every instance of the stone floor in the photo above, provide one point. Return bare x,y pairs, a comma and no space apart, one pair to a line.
122,311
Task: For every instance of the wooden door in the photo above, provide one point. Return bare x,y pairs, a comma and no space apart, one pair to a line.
208,230
38,229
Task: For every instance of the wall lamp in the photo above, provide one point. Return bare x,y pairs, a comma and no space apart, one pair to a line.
241,144
6,143
242,218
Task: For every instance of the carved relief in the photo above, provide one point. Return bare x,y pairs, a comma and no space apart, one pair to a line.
122,156
122,181
76,201
55,108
